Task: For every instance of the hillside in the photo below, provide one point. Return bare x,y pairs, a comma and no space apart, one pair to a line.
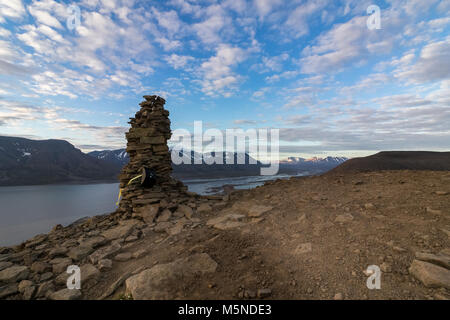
28,162
302,238
397,160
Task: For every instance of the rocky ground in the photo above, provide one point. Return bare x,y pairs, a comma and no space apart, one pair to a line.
303,238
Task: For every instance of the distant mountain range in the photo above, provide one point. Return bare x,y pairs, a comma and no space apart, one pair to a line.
29,162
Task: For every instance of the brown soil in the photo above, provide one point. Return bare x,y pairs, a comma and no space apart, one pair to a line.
390,223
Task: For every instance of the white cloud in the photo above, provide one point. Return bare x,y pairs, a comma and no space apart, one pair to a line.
177,61
12,9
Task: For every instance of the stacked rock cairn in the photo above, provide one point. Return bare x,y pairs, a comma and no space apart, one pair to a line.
147,147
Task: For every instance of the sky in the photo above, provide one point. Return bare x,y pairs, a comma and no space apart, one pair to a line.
77,70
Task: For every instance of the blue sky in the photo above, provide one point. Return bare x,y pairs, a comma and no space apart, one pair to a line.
313,69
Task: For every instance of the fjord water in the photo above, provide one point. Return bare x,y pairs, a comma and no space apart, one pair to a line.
29,210
26,211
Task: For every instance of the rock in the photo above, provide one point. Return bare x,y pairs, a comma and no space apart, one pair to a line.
139,253
433,211
8,290
204,208
258,210
118,232
41,267
45,289
162,226
104,252
186,210
14,274
430,275
438,259
46,276
303,248
338,296
344,218
441,193
105,264
88,272
228,221
5,264
148,213
115,285
264,293
60,265
123,256
24,284
29,292
369,206
158,282
164,216
131,238
249,294
386,267
78,253
94,242
58,251
66,294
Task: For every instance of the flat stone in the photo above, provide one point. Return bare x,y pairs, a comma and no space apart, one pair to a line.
258,210
344,218
186,210
104,252
58,251
162,226
14,274
433,211
66,294
41,267
94,242
5,264
87,272
24,284
438,259
78,253
8,290
228,221
61,265
441,193
29,292
105,264
46,276
118,232
44,289
125,256
204,208
148,213
164,216
159,281
304,248
139,253
430,275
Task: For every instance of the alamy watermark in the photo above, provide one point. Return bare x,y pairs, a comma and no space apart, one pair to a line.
374,20
374,280
74,19
74,280
262,144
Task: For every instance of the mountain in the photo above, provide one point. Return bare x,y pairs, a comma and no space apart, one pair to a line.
119,157
28,162
315,165
189,171
397,160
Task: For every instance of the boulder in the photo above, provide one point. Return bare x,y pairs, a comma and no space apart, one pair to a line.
186,210
80,252
121,232
41,267
148,213
430,275
104,252
8,290
66,294
438,259
14,274
159,281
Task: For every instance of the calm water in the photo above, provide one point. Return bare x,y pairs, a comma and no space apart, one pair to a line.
29,210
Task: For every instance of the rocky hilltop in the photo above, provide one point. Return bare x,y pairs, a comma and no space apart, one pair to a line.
302,238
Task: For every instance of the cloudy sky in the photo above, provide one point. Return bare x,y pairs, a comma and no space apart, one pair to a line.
313,69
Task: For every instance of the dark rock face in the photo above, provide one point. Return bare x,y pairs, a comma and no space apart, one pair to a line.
147,148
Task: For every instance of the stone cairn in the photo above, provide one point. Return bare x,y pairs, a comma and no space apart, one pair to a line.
147,147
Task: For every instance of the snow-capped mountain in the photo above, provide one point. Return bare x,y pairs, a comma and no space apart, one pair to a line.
331,160
119,156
